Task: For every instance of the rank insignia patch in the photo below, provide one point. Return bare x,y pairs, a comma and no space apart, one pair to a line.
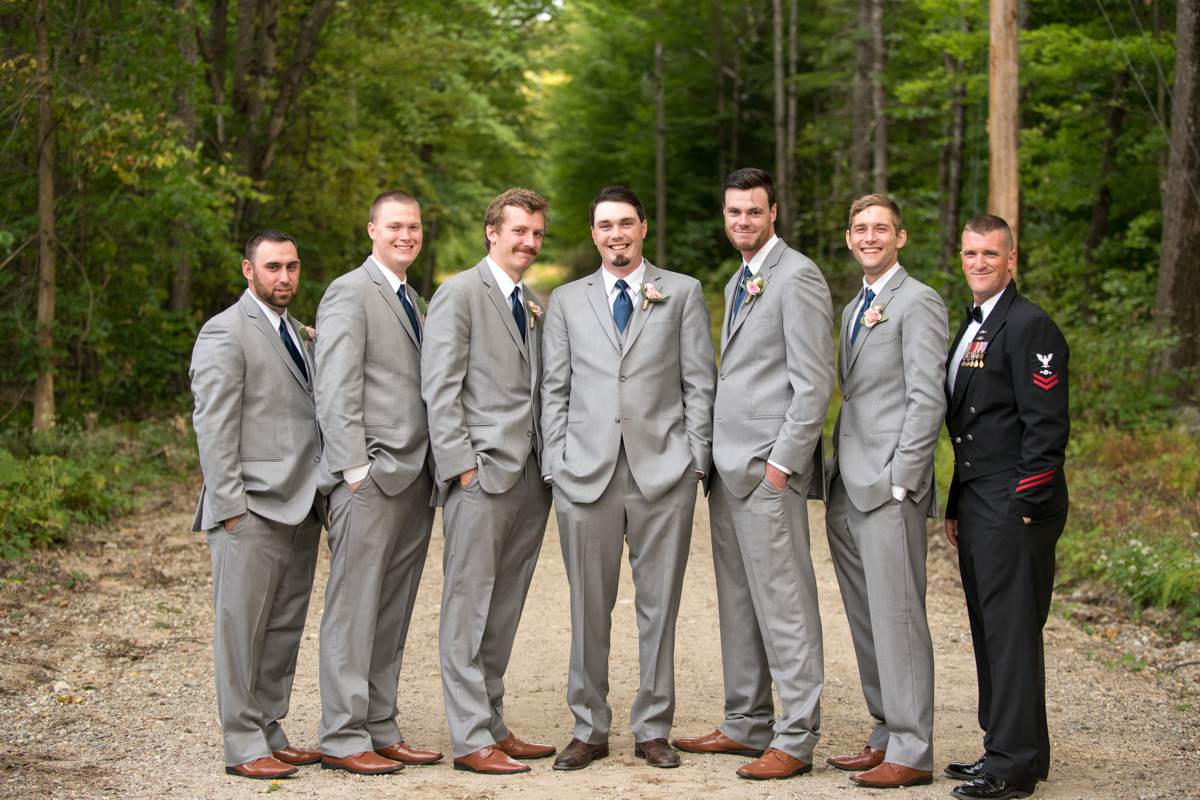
1045,378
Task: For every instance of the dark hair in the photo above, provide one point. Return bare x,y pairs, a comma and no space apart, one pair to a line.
749,178
268,235
529,200
394,196
616,194
990,223
882,200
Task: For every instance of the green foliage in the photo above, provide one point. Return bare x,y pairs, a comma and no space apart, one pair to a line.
51,484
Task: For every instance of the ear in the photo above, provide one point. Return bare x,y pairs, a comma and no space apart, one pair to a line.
901,238
247,269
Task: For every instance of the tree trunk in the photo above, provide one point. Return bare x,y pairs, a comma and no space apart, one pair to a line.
736,111
791,232
783,183
718,26
1003,120
1179,271
1098,228
950,169
860,105
660,159
185,110
43,389
878,100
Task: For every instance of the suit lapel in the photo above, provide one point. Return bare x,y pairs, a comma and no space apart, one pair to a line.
889,293
393,302
730,288
501,304
640,315
599,303
264,327
766,271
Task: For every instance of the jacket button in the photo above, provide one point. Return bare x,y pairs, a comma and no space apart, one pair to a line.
622,379
617,420
971,409
970,438
967,464
529,434
317,460
958,440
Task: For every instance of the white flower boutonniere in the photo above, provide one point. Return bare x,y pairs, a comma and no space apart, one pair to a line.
308,334
873,316
652,296
535,313
754,288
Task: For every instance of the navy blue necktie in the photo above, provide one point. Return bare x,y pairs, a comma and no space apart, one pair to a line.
291,348
861,311
518,310
408,309
739,295
622,306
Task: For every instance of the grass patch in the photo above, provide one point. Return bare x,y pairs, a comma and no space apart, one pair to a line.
53,483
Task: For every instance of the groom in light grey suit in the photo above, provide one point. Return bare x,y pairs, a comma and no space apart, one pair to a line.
481,377
377,446
261,504
772,395
891,369
627,418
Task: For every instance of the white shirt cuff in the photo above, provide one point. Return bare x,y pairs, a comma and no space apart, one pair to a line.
900,493
779,467
355,474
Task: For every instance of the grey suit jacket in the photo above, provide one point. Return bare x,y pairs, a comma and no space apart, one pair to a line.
481,380
655,393
893,401
255,421
369,380
775,376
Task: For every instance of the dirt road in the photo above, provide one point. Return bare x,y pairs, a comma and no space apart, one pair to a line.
106,686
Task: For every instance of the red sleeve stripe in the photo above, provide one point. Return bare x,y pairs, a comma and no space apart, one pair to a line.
1035,480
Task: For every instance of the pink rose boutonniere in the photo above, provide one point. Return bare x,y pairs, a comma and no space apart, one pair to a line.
873,316
308,334
755,287
535,313
652,296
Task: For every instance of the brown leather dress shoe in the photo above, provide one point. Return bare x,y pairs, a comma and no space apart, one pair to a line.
867,759
365,763
716,742
263,769
773,764
490,761
892,776
657,753
409,755
578,755
297,756
513,747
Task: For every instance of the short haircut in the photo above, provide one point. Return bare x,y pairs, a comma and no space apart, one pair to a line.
749,178
869,200
616,194
985,224
529,200
391,196
268,235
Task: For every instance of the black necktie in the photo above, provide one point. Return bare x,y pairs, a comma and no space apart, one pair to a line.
739,294
291,348
975,313
870,295
518,310
408,309
622,306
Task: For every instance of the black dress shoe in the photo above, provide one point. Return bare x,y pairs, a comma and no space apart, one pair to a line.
988,787
964,771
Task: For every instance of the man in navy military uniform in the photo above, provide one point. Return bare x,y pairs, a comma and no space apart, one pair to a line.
1008,420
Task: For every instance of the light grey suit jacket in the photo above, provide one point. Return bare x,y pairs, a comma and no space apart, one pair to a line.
775,376
255,422
369,380
481,382
655,393
893,398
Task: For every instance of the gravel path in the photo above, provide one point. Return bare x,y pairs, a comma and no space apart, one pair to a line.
106,686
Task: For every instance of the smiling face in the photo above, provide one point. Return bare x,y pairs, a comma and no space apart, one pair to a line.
749,220
395,233
618,235
274,273
516,240
988,261
874,240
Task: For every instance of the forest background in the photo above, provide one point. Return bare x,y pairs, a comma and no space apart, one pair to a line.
142,141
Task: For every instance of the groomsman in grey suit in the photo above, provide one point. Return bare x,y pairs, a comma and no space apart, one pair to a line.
627,398
256,428
480,376
772,395
380,515
891,369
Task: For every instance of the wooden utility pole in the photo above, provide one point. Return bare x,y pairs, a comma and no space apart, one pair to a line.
660,159
783,181
43,388
1004,198
879,164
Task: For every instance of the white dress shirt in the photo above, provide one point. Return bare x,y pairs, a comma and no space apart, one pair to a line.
968,336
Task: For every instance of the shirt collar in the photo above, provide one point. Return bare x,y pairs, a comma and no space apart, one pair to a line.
504,282
634,279
392,278
756,263
881,282
273,316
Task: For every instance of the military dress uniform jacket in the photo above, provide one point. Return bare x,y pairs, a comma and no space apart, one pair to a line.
1009,407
